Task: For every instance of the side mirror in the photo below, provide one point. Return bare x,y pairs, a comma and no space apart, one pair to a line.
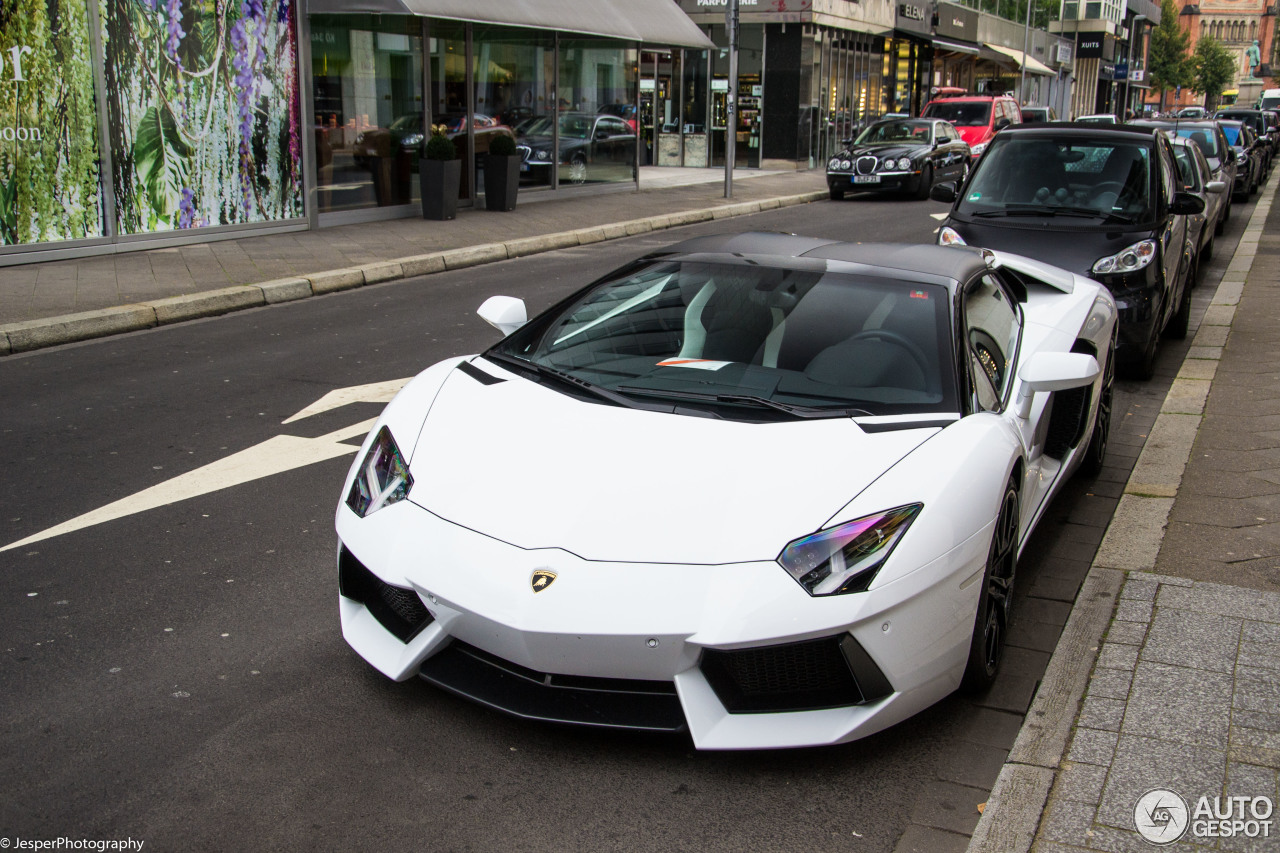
504,313
945,191
1185,204
1054,371
1002,124
1215,187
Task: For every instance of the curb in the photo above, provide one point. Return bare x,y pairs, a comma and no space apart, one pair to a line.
69,328
1131,544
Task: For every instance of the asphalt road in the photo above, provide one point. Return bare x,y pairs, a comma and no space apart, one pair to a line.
176,674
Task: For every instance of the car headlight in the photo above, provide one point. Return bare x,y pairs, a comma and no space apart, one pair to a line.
904,163
846,558
383,478
544,155
834,164
412,140
976,150
1135,257
886,164
947,236
846,164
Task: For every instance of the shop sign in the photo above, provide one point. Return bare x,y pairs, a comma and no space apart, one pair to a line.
915,18
957,22
1122,71
912,12
1095,46
1106,70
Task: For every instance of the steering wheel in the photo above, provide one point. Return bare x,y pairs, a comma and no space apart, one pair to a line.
900,341
1107,187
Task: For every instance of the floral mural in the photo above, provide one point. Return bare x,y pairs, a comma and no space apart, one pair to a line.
50,187
204,114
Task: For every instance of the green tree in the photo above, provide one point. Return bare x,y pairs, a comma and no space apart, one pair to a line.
1169,61
1214,69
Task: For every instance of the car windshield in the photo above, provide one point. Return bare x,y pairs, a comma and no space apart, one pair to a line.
571,126
896,131
1080,178
961,113
1203,139
750,341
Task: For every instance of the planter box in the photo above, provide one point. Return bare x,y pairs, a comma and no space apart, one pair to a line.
501,181
439,181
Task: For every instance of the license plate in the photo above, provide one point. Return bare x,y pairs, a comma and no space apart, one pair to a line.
866,179
524,167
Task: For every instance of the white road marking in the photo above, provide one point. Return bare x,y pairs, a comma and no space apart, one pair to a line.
378,392
274,456
939,216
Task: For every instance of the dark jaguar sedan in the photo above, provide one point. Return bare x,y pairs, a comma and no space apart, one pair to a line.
902,155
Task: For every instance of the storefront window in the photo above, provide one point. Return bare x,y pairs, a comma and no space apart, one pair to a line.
50,188
514,73
694,95
367,73
597,122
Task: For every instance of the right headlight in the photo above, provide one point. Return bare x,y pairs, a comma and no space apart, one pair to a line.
846,558
947,236
383,478
1135,257
976,150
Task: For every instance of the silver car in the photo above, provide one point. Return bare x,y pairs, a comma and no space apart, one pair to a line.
1197,179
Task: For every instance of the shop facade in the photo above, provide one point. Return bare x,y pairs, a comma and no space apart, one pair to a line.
129,125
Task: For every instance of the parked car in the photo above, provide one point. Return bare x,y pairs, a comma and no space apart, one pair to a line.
1196,178
1193,112
1249,157
977,118
626,112
901,155
946,395
1262,128
404,135
1207,134
1097,200
1031,115
589,144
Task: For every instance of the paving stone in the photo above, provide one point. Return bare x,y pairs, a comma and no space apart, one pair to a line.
1117,656
974,765
1110,683
1028,634
1257,656
1129,633
1267,720
1141,764
1059,589
1196,640
1139,587
1080,783
923,839
990,727
948,806
1098,712
1251,780
1067,821
1173,703
1261,632
1091,746
1256,690
1223,600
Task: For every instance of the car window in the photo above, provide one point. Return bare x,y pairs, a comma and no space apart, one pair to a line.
1188,173
961,113
689,330
1168,173
992,327
1233,134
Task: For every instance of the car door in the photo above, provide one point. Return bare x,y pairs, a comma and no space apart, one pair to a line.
950,152
1174,252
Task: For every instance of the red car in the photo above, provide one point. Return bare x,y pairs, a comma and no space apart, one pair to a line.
978,118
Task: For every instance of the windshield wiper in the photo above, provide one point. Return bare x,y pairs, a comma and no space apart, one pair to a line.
541,370
1042,210
749,400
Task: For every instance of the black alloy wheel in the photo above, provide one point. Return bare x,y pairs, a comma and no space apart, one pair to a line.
991,622
1095,454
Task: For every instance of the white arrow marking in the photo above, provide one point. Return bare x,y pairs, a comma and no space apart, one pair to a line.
273,456
939,216
378,392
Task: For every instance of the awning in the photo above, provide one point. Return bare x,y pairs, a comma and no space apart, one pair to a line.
653,22
1033,65
955,46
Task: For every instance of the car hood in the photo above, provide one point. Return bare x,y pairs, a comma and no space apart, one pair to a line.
1042,239
885,149
538,469
974,135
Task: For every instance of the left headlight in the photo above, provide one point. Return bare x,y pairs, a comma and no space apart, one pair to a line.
1136,257
383,478
846,558
948,236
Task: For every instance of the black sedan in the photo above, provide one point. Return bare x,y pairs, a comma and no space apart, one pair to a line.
1250,157
592,147
901,154
1096,200
1208,136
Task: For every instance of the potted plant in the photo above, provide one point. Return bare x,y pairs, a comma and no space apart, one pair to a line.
439,172
501,174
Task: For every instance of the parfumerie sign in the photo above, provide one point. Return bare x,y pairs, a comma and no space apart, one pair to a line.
11,70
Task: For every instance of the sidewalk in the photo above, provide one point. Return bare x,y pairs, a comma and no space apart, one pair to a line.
1165,685
55,302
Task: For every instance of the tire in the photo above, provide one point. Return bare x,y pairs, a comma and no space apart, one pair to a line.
836,195
1143,366
1207,252
926,182
991,621
1095,454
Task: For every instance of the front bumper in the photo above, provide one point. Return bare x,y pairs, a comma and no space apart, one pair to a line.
739,655
1139,301
884,181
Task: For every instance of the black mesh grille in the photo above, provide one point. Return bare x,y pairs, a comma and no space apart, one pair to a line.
398,610
802,676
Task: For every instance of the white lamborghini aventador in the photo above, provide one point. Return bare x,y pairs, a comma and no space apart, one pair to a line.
767,489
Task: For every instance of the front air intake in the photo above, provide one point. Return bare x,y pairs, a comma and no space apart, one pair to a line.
397,609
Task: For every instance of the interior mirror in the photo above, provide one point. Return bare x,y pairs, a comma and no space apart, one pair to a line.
1054,371
504,313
